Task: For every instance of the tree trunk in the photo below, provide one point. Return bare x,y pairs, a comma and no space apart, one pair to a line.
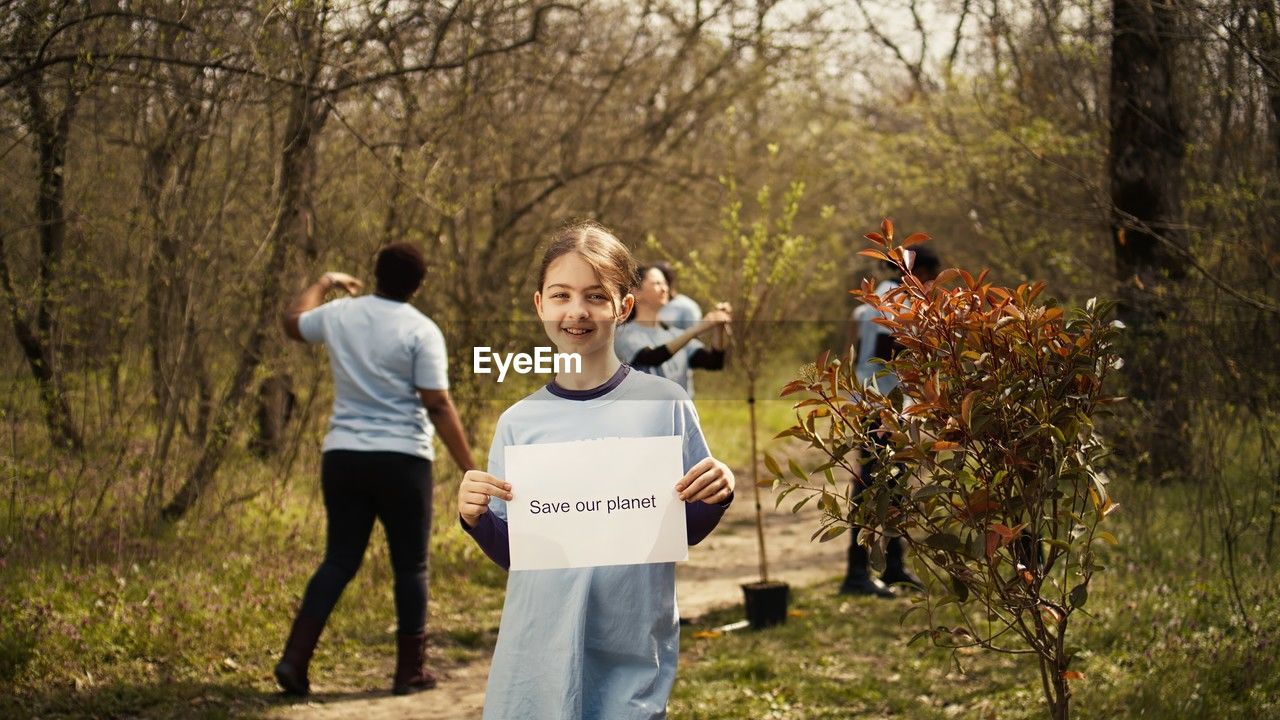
755,482
1147,147
307,113
57,415
51,130
275,404
1268,41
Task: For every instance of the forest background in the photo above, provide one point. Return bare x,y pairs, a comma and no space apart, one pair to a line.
174,171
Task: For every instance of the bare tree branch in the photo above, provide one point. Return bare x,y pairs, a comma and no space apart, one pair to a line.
533,36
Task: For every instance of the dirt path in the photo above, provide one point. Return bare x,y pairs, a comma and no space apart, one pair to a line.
710,579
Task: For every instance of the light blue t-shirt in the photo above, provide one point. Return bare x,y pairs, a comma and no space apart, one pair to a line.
595,643
869,333
381,352
633,337
681,312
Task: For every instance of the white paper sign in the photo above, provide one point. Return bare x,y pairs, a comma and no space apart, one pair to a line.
596,502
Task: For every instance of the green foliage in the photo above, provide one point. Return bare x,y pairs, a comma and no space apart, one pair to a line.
769,273
988,456
765,270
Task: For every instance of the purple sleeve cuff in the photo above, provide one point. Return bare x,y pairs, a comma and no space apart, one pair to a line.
490,534
700,519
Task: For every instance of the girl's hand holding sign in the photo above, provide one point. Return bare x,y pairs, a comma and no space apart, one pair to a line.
474,493
710,481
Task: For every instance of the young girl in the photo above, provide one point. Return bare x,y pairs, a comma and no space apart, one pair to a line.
595,642
652,346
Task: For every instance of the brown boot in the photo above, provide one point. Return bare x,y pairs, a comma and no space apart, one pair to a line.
291,671
411,676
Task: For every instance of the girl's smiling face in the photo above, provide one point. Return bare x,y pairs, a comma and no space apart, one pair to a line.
577,310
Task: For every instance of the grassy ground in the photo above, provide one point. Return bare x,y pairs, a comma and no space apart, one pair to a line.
1156,653
195,631
723,409
1162,642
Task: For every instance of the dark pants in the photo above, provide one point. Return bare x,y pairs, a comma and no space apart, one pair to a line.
858,565
394,488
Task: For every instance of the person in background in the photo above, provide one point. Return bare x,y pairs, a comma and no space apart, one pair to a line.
651,346
873,347
681,311
391,394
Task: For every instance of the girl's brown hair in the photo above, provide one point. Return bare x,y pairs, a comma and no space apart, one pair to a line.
601,249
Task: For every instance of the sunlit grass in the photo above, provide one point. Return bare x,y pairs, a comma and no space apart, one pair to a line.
725,413
203,621
1159,634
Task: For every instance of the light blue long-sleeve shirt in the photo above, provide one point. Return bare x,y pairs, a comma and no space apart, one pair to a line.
590,643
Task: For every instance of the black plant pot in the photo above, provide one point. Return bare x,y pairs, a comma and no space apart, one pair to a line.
766,603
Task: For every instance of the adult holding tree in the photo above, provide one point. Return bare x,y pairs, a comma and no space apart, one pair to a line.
681,311
650,345
874,346
391,393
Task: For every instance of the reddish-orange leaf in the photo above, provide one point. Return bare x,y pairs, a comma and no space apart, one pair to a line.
886,227
993,543
982,506
1072,675
874,254
979,503
915,239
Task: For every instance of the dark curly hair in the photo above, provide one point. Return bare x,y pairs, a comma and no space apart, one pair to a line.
399,269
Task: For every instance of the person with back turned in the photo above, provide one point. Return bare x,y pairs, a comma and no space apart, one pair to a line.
391,395
873,345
